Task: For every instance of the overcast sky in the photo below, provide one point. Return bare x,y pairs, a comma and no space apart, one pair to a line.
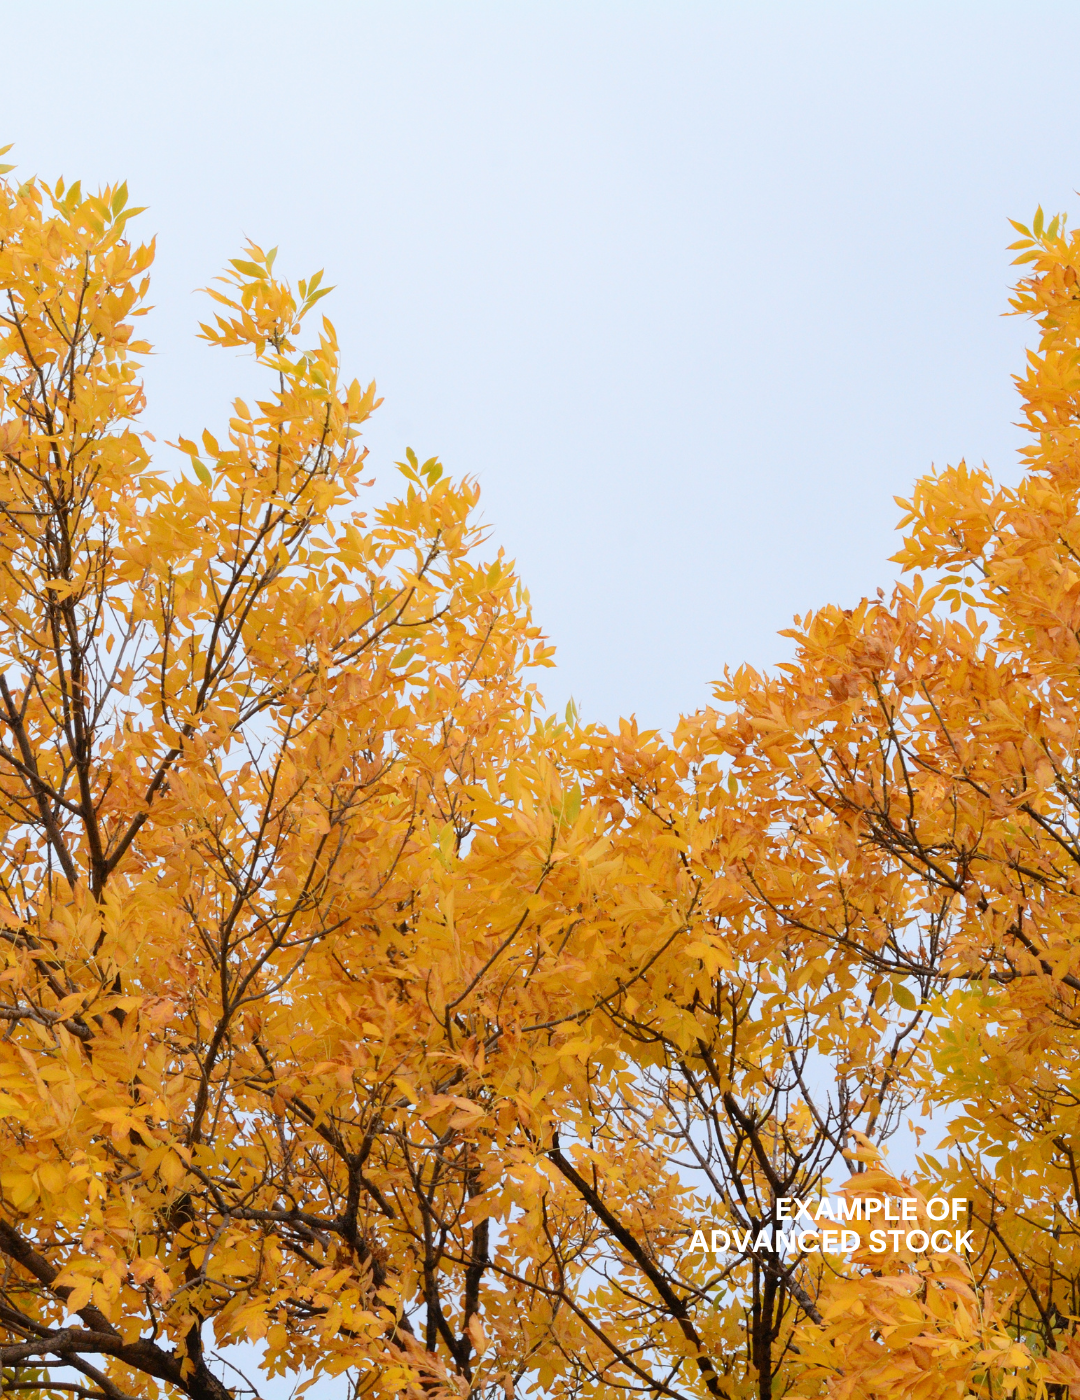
693,289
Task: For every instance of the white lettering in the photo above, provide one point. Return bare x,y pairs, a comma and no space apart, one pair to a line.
813,1240
802,1210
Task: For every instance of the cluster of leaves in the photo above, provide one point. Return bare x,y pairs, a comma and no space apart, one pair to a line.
354,1009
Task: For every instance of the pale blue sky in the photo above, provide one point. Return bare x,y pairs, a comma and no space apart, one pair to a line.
693,289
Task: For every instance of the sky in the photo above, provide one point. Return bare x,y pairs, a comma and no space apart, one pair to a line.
692,289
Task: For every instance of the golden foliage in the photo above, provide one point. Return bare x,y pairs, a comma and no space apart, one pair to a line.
356,1010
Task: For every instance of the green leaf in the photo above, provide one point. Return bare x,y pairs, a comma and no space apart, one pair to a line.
902,996
203,475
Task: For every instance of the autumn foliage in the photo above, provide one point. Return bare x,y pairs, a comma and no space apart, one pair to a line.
356,1009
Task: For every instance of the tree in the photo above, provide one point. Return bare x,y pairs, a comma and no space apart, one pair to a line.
356,1009
894,817
864,870
256,860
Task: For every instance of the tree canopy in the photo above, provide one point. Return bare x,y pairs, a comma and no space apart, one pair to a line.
356,1008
